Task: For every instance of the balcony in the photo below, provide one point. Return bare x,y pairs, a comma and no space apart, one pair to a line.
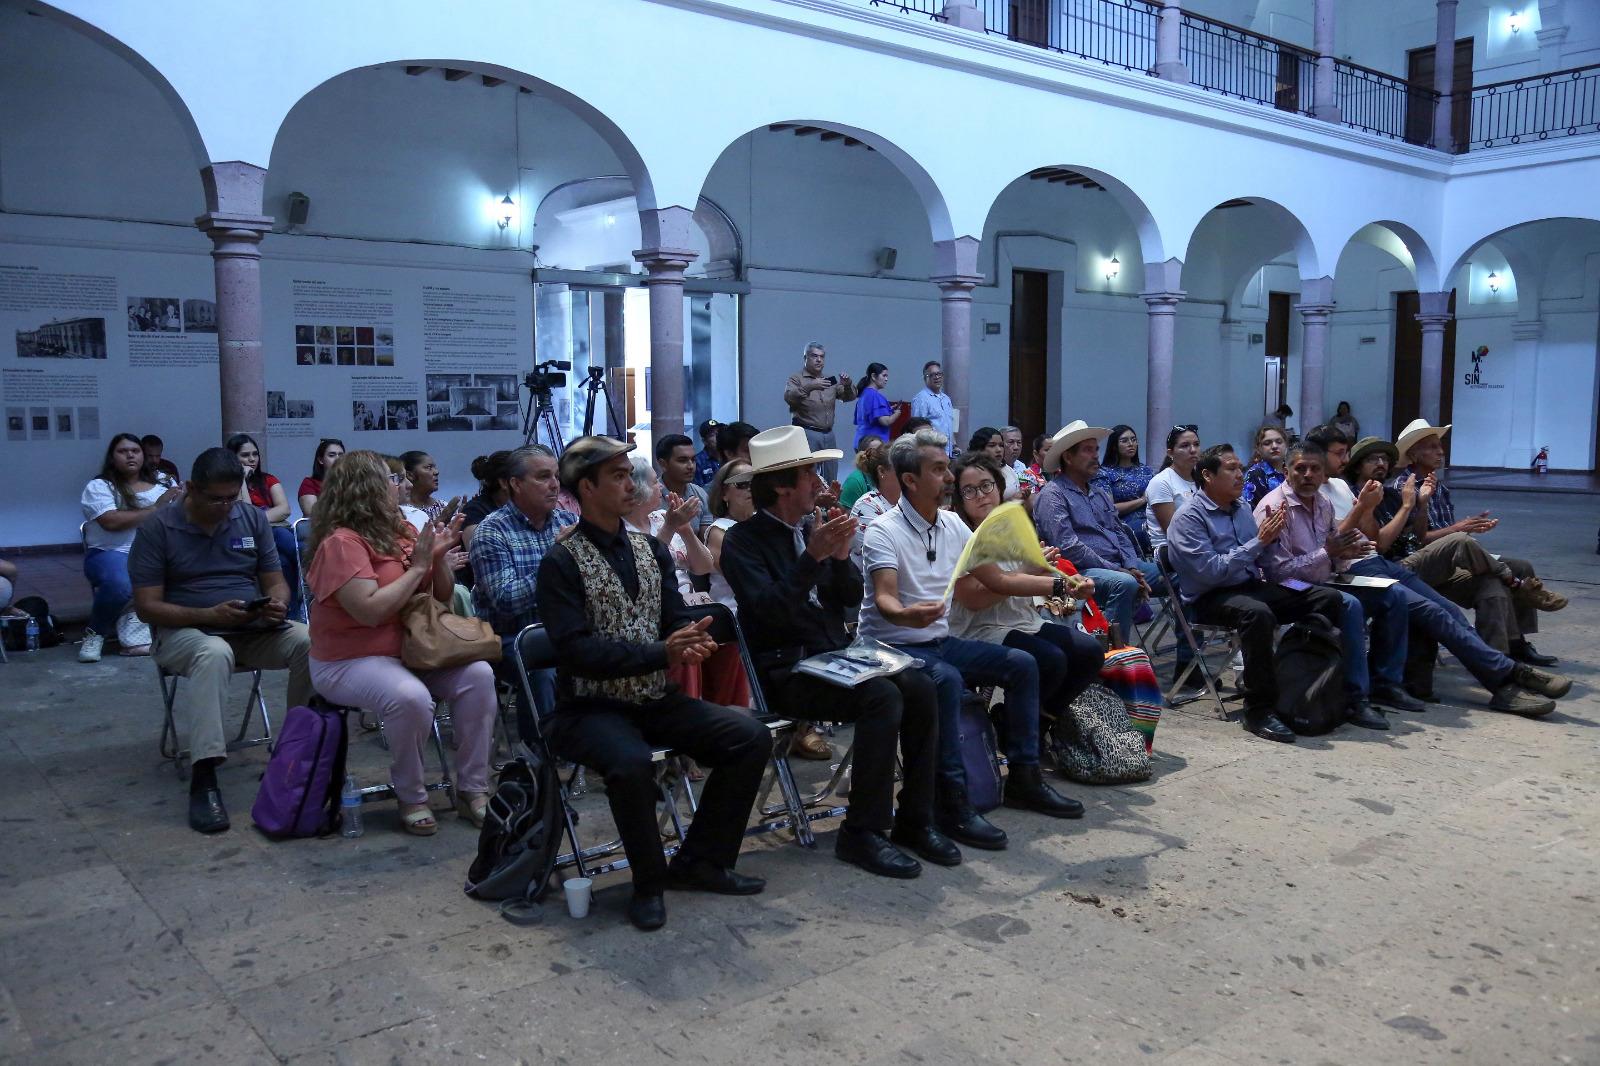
1246,65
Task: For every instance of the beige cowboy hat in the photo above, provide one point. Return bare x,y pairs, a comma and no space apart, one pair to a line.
785,447
1071,434
1416,431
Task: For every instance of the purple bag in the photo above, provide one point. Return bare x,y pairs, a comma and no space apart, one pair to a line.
299,794
980,758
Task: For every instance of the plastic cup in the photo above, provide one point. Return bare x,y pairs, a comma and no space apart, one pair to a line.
579,891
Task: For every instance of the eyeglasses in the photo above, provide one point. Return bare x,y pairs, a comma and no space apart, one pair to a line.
982,488
733,483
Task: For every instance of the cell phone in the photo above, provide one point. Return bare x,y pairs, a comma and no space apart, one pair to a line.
450,509
1295,585
258,603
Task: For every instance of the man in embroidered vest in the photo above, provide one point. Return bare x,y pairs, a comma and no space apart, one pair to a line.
617,626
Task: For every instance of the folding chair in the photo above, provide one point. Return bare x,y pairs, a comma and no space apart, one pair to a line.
299,558
372,793
254,703
1196,635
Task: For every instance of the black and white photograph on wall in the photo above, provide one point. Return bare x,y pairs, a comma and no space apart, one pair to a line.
437,386
199,316
440,420
39,423
471,400
305,334
324,355
154,314
324,334
347,334
383,336
17,423
383,356
364,357
305,355
402,414
347,355
366,415
68,338
302,409
88,423
506,416
364,334
65,425
276,407
505,386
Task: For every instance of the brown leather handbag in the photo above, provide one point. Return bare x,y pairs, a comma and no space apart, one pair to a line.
435,639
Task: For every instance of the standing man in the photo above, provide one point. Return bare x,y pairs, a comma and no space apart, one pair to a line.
1215,548
507,548
676,464
933,403
613,611
811,398
707,461
790,571
200,569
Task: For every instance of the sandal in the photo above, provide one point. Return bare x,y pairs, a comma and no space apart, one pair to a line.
419,822
474,812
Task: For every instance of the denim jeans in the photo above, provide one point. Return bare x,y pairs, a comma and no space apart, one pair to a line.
1391,624
1117,593
107,571
283,539
1442,621
953,663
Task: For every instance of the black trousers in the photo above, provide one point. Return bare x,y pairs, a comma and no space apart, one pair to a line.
902,709
1255,609
616,740
1069,660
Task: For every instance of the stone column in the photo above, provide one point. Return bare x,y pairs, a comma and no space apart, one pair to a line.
957,263
1522,381
1324,93
1444,67
666,253
963,16
1552,35
1433,315
235,224
1316,304
1163,309
1169,51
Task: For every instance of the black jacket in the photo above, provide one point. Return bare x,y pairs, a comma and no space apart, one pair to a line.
772,586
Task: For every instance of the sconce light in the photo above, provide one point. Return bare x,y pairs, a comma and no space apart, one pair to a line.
1514,22
1493,281
507,212
1113,268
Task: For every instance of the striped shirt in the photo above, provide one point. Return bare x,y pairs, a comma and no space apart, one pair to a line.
505,556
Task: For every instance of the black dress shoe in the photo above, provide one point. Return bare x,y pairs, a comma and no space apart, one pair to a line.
1268,726
927,842
1026,790
1523,652
1424,694
647,912
1365,715
206,812
1396,697
871,850
698,876
960,821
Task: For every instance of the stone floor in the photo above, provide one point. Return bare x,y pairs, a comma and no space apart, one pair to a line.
1424,895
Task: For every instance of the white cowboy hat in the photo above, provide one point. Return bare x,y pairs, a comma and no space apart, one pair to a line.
1070,434
785,447
1416,431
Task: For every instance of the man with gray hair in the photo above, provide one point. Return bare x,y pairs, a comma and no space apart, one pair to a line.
811,398
507,549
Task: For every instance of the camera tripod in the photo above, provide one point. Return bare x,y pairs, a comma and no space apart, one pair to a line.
596,385
539,423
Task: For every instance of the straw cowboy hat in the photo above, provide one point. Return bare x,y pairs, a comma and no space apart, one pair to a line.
785,447
1367,446
1418,430
1070,434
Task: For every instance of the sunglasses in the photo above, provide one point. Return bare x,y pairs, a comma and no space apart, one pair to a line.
1190,428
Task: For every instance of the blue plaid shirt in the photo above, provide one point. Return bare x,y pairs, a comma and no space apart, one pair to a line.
1441,512
505,557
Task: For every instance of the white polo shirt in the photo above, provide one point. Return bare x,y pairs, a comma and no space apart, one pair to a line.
900,540
1338,492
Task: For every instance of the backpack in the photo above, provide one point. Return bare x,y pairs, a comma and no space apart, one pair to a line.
1094,742
979,757
49,631
1310,665
299,794
520,838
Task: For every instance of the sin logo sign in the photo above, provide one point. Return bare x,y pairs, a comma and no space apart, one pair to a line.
1474,376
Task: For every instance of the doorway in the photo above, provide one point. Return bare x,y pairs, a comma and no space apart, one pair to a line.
1419,105
1280,312
1030,340
1407,403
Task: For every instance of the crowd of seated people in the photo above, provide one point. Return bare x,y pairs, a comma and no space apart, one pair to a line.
613,552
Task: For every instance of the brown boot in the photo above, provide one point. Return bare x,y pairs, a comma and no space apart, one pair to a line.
1532,591
809,743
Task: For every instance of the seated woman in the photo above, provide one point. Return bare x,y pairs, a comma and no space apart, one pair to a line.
423,473
1126,477
874,413
366,564
266,493
1173,485
1265,472
730,504
328,451
493,492
992,442
879,500
858,484
125,493
415,517
994,602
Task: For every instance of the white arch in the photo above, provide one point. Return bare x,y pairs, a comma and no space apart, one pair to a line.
1152,248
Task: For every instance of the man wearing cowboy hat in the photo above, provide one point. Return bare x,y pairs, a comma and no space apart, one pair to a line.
1081,520
790,570
1434,520
614,613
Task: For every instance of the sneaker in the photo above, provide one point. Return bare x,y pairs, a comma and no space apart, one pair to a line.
1512,699
1532,590
89,650
1550,685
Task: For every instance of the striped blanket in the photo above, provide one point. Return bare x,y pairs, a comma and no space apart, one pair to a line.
1128,673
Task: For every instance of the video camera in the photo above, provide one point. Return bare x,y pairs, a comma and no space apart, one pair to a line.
544,377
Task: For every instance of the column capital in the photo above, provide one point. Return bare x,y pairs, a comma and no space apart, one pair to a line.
1527,331
665,264
234,226
957,286
1315,312
1163,301
1435,322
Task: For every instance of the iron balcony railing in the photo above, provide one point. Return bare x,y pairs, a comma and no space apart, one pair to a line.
1384,104
1118,33
1247,65
1561,104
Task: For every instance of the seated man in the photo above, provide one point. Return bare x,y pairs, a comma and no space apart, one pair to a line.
1422,446
1081,521
791,573
1215,547
507,548
1310,549
617,620
675,464
207,580
910,556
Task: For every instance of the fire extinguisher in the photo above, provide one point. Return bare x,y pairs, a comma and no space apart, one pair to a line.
1541,462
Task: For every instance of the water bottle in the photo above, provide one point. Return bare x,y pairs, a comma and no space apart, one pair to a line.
350,808
33,633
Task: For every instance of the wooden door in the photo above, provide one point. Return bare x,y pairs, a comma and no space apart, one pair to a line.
1030,22
1280,312
1407,402
1287,94
1419,108
1030,333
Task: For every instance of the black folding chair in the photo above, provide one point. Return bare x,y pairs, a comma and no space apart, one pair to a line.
171,746
1197,636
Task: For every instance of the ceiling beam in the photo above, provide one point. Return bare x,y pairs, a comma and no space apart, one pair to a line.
490,82
415,70
455,75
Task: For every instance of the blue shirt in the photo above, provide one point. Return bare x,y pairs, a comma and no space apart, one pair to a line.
705,468
1259,479
1211,548
505,556
1084,525
1441,512
939,409
871,406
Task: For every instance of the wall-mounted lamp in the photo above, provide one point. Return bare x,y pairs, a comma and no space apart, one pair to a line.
1493,281
506,213
1113,268
1514,22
